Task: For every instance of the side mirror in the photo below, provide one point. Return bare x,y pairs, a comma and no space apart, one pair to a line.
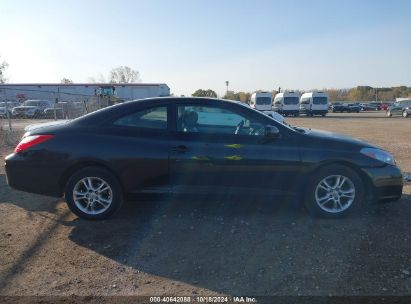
271,132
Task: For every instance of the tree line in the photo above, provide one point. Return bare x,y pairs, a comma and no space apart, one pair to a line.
359,93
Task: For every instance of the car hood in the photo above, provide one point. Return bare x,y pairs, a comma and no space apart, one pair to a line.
45,125
336,137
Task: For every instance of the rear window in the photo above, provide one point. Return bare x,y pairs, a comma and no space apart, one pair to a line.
320,100
264,100
291,100
153,118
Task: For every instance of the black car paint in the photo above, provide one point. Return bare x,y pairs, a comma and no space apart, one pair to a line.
170,161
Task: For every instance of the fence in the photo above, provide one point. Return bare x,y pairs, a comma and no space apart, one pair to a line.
17,110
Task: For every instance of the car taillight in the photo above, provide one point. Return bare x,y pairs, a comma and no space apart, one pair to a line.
30,141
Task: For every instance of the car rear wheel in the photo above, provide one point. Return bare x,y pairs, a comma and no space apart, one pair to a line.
404,114
93,193
334,192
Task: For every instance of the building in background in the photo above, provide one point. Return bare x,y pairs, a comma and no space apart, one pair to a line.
81,91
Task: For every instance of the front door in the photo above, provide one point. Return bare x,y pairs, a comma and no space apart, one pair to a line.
219,148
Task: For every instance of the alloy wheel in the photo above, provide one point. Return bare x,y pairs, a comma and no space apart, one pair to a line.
335,193
92,195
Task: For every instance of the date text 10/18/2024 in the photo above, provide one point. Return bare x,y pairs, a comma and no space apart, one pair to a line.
200,299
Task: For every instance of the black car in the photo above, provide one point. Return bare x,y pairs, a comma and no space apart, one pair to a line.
399,108
337,107
345,107
197,145
368,107
353,107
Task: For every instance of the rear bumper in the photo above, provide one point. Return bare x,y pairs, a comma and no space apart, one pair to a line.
31,177
387,182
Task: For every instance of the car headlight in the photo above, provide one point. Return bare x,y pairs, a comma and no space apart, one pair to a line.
378,154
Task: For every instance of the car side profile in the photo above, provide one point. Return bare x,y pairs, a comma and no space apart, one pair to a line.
197,145
402,108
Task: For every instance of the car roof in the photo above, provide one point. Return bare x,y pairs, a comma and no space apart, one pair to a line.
124,107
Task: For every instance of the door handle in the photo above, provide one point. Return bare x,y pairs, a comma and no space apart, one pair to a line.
180,148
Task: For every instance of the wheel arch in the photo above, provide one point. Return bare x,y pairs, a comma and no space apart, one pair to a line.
368,186
83,164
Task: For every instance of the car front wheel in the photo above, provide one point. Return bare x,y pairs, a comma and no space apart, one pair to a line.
93,193
389,114
405,114
334,192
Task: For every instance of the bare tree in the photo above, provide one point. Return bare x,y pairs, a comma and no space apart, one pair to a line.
66,80
124,74
3,67
99,79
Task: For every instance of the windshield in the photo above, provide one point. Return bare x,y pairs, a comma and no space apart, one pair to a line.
320,100
286,125
263,100
32,103
291,100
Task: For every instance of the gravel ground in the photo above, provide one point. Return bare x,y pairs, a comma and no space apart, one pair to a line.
203,246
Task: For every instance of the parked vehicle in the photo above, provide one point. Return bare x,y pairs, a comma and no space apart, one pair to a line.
376,104
337,107
386,105
56,112
32,108
345,107
368,107
261,101
314,103
399,108
287,103
197,145
7,108
353,107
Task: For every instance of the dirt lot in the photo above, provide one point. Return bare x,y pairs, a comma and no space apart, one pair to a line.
182,246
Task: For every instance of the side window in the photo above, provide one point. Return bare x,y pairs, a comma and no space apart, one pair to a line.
216,120
153,118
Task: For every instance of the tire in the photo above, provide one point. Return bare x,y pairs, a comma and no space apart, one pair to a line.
98,205
388,114
334,202
404,114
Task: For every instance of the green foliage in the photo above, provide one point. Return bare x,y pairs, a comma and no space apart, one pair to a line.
205,93
240,96
367,93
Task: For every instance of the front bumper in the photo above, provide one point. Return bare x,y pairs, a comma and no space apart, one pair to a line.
387,181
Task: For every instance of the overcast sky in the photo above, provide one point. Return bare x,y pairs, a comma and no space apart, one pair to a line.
191,44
